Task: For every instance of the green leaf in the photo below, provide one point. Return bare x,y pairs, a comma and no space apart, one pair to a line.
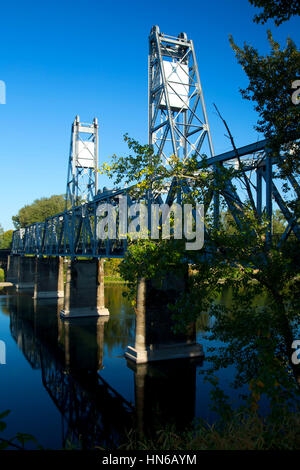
23,438
4,414
2,426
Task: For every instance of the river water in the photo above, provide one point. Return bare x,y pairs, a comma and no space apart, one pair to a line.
68,381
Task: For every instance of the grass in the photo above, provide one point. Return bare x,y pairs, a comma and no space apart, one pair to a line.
114,279
2,278
240,433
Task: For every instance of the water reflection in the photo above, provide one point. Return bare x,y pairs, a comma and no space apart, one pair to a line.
71,357
165,394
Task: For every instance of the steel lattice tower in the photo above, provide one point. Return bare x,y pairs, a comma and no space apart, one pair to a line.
178,121
177,118
82,180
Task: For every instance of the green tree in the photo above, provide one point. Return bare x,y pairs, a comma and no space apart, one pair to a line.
228,222
39,210
111,267
279,10
279,222
270,89
5,238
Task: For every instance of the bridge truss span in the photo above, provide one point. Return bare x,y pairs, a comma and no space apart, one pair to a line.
75,232
71,233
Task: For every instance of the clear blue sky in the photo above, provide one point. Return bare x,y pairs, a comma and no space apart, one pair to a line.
63,58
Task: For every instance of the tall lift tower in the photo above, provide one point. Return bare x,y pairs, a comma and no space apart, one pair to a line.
178,121
82,180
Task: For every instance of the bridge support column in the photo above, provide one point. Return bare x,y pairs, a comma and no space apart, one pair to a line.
49,278
13,267
26,272
84,289
154,338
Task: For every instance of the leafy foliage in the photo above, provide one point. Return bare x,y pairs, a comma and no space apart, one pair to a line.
151,259
270,88
279,10
111,268
243,431
39,210
5,238
19,441
144,171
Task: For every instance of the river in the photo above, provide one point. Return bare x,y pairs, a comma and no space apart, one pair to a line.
67,382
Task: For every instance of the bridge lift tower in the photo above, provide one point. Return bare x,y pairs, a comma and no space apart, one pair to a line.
177,118
82,179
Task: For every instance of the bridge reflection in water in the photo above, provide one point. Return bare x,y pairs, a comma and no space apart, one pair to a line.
70,355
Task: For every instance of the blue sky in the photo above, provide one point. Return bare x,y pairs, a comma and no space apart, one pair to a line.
63,58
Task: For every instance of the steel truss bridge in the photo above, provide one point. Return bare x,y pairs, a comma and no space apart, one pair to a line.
177,125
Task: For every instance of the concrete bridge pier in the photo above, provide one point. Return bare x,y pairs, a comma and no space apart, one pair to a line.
84,289
26,274
49,278
13,267
154,337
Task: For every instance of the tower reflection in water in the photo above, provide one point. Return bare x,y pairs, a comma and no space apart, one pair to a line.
70,355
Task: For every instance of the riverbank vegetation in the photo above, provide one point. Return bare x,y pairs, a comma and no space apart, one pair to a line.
112,271
17,442
241,432
39,210
5,238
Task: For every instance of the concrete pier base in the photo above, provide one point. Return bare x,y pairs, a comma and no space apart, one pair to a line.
13,267
49,278
26,273
154,336
84,289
